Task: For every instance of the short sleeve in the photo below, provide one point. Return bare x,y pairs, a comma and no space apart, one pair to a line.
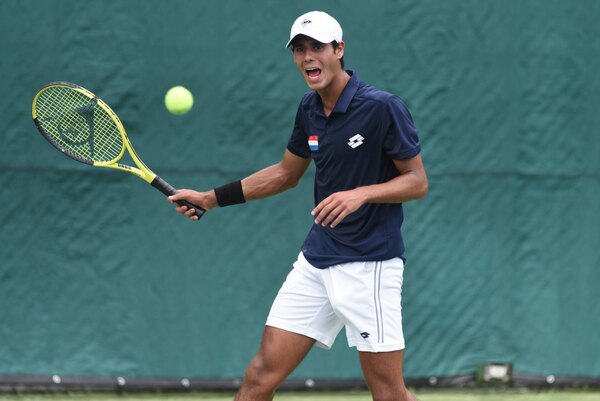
401,141
298,143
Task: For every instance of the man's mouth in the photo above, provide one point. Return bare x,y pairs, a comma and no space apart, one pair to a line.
313,72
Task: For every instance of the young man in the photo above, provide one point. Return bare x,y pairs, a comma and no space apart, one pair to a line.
349,271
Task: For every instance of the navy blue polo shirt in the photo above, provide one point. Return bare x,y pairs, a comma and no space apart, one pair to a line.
355,146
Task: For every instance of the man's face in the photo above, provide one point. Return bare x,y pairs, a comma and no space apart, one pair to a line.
318,62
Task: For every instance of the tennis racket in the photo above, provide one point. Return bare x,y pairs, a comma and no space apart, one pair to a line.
83,127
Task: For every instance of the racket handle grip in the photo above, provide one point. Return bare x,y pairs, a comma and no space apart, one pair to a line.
168,190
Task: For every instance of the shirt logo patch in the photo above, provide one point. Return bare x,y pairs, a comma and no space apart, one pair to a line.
356,141
313,142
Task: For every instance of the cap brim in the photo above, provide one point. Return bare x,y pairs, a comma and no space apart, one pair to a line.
319,37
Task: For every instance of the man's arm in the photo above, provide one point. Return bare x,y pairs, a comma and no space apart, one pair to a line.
276,178
411,184
266,182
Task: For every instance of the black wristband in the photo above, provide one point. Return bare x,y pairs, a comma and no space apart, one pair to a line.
230,194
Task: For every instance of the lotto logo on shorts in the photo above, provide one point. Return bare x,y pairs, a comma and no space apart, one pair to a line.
313,142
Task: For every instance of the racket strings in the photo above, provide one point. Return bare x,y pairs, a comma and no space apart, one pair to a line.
78,124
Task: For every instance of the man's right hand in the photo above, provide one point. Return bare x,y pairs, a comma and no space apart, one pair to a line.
206,200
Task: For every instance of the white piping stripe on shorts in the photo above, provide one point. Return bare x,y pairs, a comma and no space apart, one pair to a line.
377,296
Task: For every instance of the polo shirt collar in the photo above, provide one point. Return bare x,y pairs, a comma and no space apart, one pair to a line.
348,93
341,106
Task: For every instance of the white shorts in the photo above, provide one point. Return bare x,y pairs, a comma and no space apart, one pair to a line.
362,296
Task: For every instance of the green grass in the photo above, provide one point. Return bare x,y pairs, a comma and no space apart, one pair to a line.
326,396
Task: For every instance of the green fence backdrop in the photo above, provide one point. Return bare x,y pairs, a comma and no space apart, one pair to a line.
99,277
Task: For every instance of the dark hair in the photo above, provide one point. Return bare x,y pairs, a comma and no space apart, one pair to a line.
335,45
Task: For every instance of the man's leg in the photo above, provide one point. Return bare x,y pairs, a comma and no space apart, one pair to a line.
383,374
279,354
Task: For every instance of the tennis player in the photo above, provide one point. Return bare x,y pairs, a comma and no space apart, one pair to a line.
349,271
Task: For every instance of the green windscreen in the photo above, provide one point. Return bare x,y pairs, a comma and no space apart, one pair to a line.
100,277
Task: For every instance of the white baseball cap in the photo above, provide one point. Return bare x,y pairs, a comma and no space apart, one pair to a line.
317,25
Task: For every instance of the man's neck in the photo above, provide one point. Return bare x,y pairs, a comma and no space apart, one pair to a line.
331,94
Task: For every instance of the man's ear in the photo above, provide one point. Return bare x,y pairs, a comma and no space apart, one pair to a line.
340,50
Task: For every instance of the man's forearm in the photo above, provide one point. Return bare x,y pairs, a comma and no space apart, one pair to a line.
409,186
267,182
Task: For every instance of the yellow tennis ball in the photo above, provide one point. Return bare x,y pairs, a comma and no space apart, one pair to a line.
179,100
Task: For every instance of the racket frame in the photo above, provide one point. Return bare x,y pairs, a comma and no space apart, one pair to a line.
142,171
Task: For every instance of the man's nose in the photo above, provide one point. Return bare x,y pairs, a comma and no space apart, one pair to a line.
308,55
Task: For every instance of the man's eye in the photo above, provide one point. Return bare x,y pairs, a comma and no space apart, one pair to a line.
317,47
298,49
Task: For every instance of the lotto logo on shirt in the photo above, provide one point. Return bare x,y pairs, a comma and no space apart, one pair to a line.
313,142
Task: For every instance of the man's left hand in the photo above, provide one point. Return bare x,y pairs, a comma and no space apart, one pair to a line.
333,209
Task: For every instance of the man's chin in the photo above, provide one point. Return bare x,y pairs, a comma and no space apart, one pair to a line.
314,85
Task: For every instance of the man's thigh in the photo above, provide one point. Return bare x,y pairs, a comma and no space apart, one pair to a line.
383,372
281,352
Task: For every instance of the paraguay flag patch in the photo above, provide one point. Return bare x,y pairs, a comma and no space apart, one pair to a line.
313,142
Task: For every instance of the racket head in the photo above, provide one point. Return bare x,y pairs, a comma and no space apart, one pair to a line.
79,124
